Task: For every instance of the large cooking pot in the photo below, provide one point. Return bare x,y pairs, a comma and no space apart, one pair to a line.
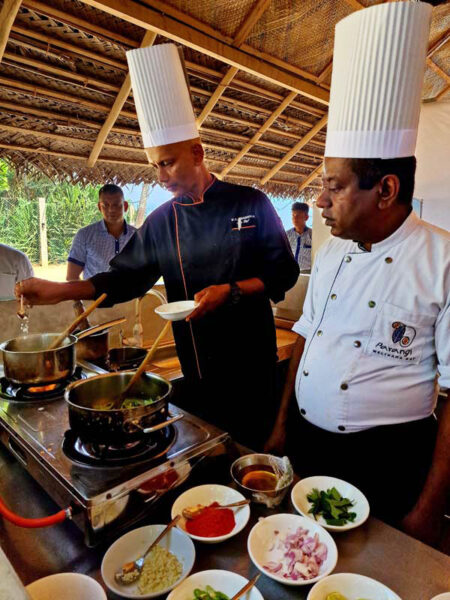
27,360
92,423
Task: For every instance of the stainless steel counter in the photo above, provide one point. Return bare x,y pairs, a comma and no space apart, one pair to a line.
413,570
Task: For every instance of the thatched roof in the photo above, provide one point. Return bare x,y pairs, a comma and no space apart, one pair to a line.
259,72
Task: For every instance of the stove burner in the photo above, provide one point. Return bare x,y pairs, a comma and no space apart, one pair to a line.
100,455
15,392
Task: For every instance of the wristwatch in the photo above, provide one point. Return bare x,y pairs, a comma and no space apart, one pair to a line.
235,293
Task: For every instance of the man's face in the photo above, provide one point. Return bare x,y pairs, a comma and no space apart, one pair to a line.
112,207
299,218
175,165
348,210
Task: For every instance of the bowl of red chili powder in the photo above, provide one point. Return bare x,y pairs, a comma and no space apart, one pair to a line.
213,524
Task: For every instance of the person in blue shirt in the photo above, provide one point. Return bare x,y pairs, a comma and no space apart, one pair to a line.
94,246
300,236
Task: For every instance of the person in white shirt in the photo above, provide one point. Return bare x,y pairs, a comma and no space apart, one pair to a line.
14,267
374,337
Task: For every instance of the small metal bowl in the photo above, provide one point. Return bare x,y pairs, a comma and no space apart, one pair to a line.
270,498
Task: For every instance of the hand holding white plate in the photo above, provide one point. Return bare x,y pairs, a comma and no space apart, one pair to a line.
323,483
175,311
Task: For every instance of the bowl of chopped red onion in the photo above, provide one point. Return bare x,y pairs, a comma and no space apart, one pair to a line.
292,549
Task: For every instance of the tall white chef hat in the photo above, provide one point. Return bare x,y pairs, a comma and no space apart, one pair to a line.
161,95
378,67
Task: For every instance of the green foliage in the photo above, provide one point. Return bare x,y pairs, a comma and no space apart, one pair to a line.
68,207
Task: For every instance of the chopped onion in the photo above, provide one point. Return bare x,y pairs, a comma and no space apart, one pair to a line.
296,555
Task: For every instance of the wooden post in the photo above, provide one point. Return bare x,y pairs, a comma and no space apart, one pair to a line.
142,205
43,232
8,13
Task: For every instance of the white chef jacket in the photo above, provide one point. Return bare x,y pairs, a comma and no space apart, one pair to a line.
377,329
14,266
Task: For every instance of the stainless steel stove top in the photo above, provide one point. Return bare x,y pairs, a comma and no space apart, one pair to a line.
34,432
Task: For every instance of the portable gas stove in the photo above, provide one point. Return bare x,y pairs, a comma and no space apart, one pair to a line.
108,488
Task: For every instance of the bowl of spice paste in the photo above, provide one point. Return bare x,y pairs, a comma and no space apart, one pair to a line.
263,478
212,524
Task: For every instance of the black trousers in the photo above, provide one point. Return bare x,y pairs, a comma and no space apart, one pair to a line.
389,464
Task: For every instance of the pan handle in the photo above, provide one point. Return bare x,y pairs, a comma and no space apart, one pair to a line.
172,419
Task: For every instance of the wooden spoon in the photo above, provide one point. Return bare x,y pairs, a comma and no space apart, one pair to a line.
144,363
74,323
194,511
248,586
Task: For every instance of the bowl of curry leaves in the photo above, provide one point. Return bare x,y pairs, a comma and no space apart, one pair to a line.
335,504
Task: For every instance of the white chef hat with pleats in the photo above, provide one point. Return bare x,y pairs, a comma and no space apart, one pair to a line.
161,95
378,69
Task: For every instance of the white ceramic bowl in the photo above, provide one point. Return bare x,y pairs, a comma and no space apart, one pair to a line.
444,596
321,482
222,581
353,587
175,311
70,586
207,494
133,544
262,536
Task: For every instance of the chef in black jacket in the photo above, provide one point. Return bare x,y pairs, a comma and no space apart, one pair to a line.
218,243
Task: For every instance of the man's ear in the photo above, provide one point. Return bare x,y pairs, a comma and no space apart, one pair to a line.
198,153
389,189
98,206
125,206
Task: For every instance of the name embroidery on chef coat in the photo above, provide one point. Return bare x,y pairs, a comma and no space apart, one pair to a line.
402,337
247,222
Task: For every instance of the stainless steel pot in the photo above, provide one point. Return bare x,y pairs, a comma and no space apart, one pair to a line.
27,360
93,342
118,426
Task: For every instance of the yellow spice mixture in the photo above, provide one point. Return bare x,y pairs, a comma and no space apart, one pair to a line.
161,570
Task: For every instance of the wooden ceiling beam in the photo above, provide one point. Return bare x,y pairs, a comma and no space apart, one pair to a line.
355,4
116,109
439,43
315,173
148,18
442,92
442,74
305,139
255,138
270,159
256,12
8,13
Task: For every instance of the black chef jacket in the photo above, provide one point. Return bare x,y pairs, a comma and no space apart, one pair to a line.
232,233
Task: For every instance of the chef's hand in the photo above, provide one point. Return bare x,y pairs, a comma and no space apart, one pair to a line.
38,291
424,525
209,299
277,441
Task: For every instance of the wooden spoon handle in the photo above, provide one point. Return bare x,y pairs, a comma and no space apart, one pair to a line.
248,586
172,523
74,323
234,504
146,360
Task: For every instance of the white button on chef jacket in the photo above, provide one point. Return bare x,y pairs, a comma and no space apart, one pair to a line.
377,330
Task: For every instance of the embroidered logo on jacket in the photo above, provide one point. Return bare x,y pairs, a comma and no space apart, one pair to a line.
403,334
243,222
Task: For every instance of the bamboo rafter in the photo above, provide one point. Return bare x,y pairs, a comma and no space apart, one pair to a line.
305,183
289,98
149,38
241,36
8,13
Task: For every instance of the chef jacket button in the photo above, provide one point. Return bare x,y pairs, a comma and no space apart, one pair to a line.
305,373
333,296
303,411
388,260
348,259
320,332
372,304
344,386
341,428
357,344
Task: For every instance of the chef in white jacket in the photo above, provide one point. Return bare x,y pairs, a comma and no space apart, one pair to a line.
374,337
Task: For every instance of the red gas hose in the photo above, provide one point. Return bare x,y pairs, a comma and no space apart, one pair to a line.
30,523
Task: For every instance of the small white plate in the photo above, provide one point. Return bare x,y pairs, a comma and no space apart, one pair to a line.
70,586
221,581
263,535
353,587
175,311
444,596
133,544
323,483
206,495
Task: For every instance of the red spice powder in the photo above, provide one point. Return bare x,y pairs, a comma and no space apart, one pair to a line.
212,522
